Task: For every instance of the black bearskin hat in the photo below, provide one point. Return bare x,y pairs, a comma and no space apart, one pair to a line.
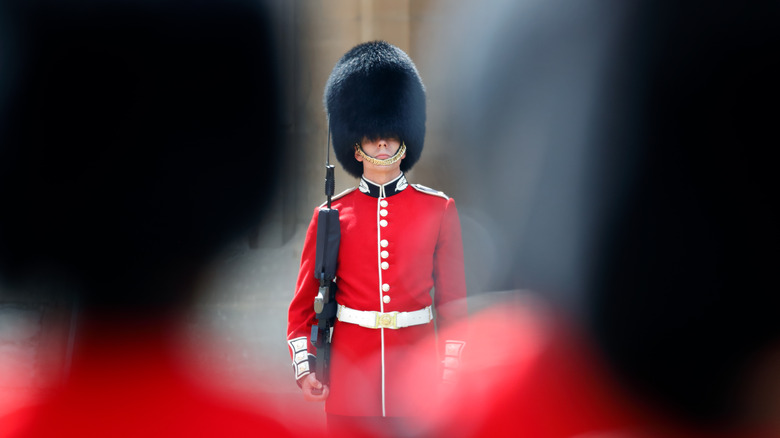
375,90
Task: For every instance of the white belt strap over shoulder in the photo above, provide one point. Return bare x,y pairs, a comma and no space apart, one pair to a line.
388,320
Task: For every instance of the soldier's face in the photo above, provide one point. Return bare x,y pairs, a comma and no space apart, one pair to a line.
381,149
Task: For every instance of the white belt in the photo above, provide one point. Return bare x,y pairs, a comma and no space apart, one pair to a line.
389,320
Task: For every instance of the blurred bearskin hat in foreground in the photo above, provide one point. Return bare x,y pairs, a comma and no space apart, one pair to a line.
374,90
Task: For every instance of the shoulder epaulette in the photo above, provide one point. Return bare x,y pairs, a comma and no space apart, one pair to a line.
340,195
429,191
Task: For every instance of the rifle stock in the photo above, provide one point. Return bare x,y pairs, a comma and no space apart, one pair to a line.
328,239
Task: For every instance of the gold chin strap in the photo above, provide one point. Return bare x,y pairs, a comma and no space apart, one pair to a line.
387,161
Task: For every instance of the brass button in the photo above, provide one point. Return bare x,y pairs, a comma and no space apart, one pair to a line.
385,265
384,254
383,212
384,243
386,299
383,203
383,223
385,288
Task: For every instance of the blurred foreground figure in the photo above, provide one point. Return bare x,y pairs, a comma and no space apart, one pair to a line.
132,148
628,167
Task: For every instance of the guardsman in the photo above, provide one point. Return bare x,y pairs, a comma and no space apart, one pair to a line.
400,263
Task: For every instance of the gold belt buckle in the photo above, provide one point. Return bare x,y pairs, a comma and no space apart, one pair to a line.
386,320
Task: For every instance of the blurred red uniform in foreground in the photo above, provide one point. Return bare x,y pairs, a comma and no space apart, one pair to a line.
141,384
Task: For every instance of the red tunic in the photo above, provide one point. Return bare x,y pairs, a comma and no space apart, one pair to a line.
398,243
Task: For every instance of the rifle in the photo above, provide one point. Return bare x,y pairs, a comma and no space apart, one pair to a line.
328,238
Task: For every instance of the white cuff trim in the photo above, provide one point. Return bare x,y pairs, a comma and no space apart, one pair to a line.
300,356
452,352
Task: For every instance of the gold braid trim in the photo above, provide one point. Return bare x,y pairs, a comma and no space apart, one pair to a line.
387,161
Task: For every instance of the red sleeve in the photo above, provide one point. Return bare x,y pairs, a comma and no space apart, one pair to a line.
301,316
450,289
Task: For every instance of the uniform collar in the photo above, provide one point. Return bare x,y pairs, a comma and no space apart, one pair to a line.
375,190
